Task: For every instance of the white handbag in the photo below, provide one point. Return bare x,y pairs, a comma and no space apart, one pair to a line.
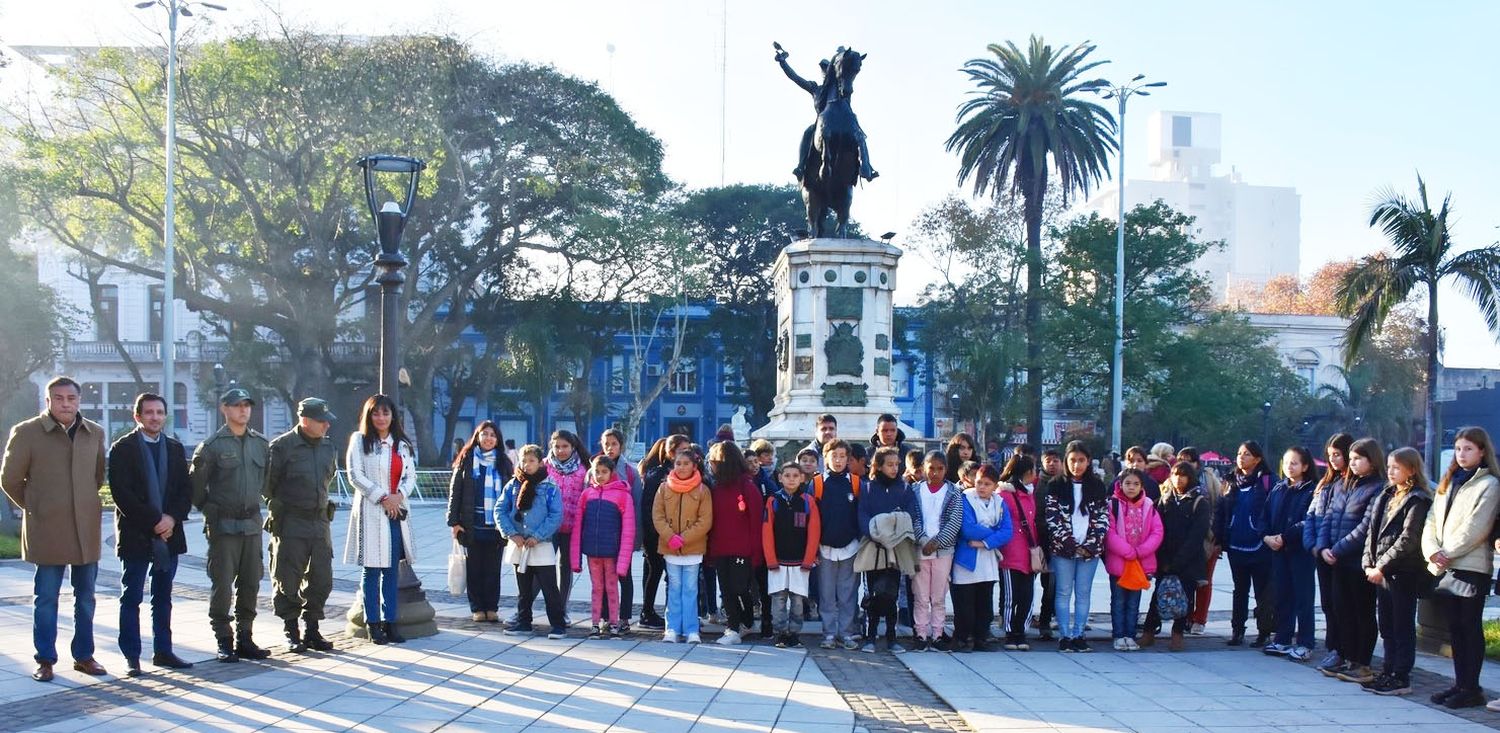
458,573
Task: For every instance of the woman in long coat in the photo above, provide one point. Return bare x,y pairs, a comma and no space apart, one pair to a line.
382,468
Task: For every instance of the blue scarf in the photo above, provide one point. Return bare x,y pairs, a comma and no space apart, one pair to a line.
154,456
487,475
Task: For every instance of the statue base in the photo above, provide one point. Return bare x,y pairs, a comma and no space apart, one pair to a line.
415,617
834,323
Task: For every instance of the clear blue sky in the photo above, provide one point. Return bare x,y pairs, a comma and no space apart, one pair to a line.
1337,99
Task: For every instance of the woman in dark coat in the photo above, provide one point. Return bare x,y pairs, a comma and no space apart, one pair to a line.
1185,520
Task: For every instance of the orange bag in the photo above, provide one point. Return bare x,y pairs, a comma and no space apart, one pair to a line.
1134,576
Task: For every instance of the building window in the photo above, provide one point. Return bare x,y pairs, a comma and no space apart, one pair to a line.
108,323
732,384
573,373
155,297
901,379
619,374
1182,131
1309,372
685,379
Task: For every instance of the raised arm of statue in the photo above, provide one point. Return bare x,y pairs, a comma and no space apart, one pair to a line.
781,55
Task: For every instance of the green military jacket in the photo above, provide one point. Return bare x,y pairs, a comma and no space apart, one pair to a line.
298,473
228,474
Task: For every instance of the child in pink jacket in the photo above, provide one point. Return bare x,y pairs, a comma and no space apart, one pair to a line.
606,533
1135,532
1018,581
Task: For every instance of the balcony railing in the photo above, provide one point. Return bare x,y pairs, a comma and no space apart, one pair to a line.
349,352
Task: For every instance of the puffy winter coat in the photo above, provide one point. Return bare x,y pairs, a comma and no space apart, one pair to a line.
1135,533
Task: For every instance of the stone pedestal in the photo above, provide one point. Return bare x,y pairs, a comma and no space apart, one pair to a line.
415,617
834,307
1432,629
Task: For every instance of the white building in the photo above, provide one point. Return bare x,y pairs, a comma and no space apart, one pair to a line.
1259,225
1311,346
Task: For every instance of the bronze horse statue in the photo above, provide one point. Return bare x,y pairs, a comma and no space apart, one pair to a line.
833,155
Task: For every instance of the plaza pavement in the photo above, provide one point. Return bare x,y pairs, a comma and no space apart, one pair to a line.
471,677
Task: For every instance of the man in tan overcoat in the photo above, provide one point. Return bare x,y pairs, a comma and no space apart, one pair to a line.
52,470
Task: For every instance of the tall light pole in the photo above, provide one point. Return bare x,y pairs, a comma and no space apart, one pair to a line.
174,8
414,614
1122,93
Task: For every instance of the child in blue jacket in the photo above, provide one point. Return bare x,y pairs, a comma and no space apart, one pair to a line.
976,561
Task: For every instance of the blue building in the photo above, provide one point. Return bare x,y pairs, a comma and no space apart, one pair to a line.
701,395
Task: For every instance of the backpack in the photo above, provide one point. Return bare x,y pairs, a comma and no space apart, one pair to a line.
818,486
1171,601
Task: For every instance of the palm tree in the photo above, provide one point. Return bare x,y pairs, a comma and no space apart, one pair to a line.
1424,256
1026,109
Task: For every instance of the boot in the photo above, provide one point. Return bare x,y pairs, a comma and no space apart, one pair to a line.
246,647
294,641
1236,639
392,633
377,633
226,651
1148,639
314,639
1177,643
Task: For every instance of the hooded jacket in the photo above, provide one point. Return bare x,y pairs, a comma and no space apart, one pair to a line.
971,530
1135,533
1061,514
606,525
1237,518
900,444
1020,504
1185,519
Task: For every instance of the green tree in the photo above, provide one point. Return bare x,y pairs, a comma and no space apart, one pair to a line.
1026,119
29,332
741,229
1163,293
1424,255
273,239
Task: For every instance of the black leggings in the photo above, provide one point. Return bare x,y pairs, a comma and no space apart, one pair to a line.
482,571
627,594
737,582
1356,604
881,604
540,578
1181,623
1327,600
1016,592
1466,631
654,568
762,580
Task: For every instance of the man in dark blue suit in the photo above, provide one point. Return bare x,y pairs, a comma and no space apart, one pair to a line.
148,478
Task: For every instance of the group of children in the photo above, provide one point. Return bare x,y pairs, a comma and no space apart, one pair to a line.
1369,531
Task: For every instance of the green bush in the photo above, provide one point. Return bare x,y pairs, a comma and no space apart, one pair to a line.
1492,638
10,547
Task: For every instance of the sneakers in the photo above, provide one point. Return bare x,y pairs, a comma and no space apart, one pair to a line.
942,643
1493,707
850,644
599,632
669,637
868,648
1081,645
895,648
1393,685
1465,699
1196,630
1299,654
557,633
1260,641
920,645
828,643
1374,682
1360,673
1065,645
792,642
1119,645
730,638
519,630
1022,646
693,638
781,641
617,631
1276,650
1331,659
655,623
1012,646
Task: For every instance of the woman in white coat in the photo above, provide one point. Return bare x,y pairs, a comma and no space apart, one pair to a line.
383,471
1456,543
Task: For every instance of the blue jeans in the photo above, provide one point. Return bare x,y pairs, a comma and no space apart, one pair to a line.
48,581
132,585
1074,579
1292,576
379,586
682,598
1124,609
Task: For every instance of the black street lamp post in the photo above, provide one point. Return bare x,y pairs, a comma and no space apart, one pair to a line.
1265,415
415,614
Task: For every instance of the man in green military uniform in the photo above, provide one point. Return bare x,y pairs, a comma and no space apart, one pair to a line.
228,474
301,464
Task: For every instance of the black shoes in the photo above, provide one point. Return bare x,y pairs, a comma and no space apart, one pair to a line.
246,648
1438,698
1465,699
294,642
226,651
132,667
1260,641
653,622
377,634
170,661
1236,639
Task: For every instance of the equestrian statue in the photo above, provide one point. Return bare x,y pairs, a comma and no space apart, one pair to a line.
833,154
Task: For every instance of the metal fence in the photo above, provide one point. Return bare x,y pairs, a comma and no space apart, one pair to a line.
432,488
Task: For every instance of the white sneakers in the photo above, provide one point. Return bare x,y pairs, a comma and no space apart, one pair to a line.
730,638
1196,630
1126,645
693,638
669,637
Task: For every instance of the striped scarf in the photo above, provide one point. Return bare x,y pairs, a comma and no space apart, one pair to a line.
488,477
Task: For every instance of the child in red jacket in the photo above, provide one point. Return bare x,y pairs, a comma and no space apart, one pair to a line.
606,533
789,532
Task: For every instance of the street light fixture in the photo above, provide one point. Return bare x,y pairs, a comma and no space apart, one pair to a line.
1265,413
390,220
1122,93
174,8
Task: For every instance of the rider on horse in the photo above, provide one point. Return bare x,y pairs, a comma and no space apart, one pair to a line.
821,94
